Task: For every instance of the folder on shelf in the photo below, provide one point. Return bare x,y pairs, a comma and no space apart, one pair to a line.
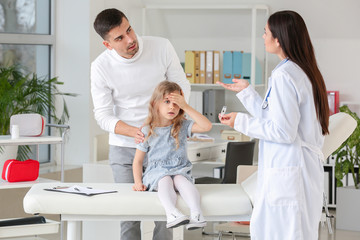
227,67
196,101
190,66
209,78
216,64
246,66
202,67
246,69
197,66
237,58
206,103
214,100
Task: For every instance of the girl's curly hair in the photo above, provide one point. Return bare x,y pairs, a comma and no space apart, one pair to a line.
153,120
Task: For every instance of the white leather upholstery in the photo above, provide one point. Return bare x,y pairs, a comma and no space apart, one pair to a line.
341,126
216,200
249,185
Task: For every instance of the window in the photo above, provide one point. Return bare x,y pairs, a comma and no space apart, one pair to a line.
26,38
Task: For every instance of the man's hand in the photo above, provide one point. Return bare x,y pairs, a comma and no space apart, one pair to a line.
139,137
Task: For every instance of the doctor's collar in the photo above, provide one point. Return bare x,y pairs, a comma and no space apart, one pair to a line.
281,63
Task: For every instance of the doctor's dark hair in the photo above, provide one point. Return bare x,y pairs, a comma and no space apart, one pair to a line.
107,20
153,120
290,30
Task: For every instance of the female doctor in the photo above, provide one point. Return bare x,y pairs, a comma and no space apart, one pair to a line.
290,123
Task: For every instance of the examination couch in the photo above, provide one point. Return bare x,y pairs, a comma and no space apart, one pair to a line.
220,202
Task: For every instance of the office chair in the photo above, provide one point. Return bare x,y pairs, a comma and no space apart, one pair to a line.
237,153
341,126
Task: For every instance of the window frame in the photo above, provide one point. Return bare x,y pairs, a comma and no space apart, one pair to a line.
38,39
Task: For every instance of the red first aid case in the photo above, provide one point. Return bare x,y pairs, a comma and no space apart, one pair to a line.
20,171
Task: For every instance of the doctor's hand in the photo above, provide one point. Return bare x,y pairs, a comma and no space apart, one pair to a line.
139,187
237,86
139,137
228,119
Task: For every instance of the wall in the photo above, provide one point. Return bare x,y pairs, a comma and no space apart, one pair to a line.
72,67
332,25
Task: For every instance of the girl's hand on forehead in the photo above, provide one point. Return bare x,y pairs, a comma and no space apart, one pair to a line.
177,99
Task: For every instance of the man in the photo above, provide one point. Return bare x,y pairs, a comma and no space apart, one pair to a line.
123,78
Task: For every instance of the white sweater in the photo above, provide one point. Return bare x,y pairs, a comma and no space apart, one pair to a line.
121,88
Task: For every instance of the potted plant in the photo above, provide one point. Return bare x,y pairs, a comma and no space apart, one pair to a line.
347,161
22,92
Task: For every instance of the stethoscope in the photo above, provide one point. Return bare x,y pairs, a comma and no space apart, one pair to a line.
265,103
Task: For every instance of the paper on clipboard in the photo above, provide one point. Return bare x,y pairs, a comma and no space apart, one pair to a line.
87,191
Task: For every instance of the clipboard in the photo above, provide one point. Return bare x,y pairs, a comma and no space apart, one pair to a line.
86,191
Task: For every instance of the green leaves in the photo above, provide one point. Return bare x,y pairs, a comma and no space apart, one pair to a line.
22,92
348,154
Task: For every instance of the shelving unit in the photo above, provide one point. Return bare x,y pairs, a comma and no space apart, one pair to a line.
190,11
6,140
252,8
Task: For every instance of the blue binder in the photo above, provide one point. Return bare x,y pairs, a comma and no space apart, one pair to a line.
237,64
246,70
246,66
227,67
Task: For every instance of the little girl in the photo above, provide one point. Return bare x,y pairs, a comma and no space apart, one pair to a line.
169,169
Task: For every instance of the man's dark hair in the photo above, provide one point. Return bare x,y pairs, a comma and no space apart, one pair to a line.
107,20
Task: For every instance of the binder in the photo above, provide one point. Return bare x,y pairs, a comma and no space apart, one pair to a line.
227,67
197,67
237,64
246,66
190,66
202,67
209,78
196,101
214,100
206,103
246,69
216,66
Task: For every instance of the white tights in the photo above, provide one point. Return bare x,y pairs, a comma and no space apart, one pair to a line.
167,195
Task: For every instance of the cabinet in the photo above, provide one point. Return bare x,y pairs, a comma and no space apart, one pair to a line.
211,27
207,151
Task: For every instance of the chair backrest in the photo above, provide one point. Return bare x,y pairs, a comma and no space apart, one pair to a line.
237,153
341,126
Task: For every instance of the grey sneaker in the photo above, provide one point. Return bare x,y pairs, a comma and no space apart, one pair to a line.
176,219
196,221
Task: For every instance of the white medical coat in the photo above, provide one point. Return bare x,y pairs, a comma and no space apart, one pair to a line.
290,177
